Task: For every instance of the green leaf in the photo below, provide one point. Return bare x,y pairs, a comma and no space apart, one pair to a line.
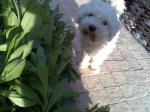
19,100
19,40
25,91
3,47
28,22
34,58
5,13
57,94
58,41
12,71
11,46
95,108
3,109
12,19
103,109
66,52
42,32
36,85
17,53
10,66
2,62
17,9
13,31
42,25
6,5
23,50
27,49
69,36
52,59
73,75
70,94
40,54
48,39
24,5
3,104
31,16
65,109
43,76
61,66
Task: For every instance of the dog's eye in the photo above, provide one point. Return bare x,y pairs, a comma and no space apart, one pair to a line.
105,23
90,14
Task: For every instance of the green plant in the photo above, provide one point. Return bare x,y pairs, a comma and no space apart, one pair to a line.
95,108
35,48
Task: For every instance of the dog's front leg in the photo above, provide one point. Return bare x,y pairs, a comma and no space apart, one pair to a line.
97,60
85,62
95,67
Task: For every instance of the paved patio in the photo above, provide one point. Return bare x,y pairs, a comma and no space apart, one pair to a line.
124,81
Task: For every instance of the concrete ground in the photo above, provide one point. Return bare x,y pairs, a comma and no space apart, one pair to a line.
124,81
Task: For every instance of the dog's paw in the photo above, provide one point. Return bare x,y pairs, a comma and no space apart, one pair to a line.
94,69
83,65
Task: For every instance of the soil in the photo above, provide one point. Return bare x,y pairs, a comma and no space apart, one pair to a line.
136,19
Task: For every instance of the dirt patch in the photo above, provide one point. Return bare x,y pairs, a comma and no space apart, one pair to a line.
137,20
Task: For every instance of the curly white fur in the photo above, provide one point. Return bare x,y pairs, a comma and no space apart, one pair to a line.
118,5
99,28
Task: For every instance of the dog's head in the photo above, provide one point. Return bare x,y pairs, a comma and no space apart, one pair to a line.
97,21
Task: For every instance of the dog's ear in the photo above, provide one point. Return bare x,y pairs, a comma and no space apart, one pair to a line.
79,15
115,26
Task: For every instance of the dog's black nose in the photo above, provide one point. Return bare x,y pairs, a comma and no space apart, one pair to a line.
92,28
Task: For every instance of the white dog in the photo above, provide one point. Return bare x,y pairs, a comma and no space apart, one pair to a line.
99,27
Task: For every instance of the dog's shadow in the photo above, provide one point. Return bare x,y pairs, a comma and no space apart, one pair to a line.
69,9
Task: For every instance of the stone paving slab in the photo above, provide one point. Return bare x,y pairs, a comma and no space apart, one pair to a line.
124,81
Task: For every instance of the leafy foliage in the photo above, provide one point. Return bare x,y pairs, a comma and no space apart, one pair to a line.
35,48
95,108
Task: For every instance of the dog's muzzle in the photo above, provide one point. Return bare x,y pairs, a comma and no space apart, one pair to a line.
92,28
90,32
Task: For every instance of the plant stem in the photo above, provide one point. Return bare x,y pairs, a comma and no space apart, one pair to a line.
17,9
